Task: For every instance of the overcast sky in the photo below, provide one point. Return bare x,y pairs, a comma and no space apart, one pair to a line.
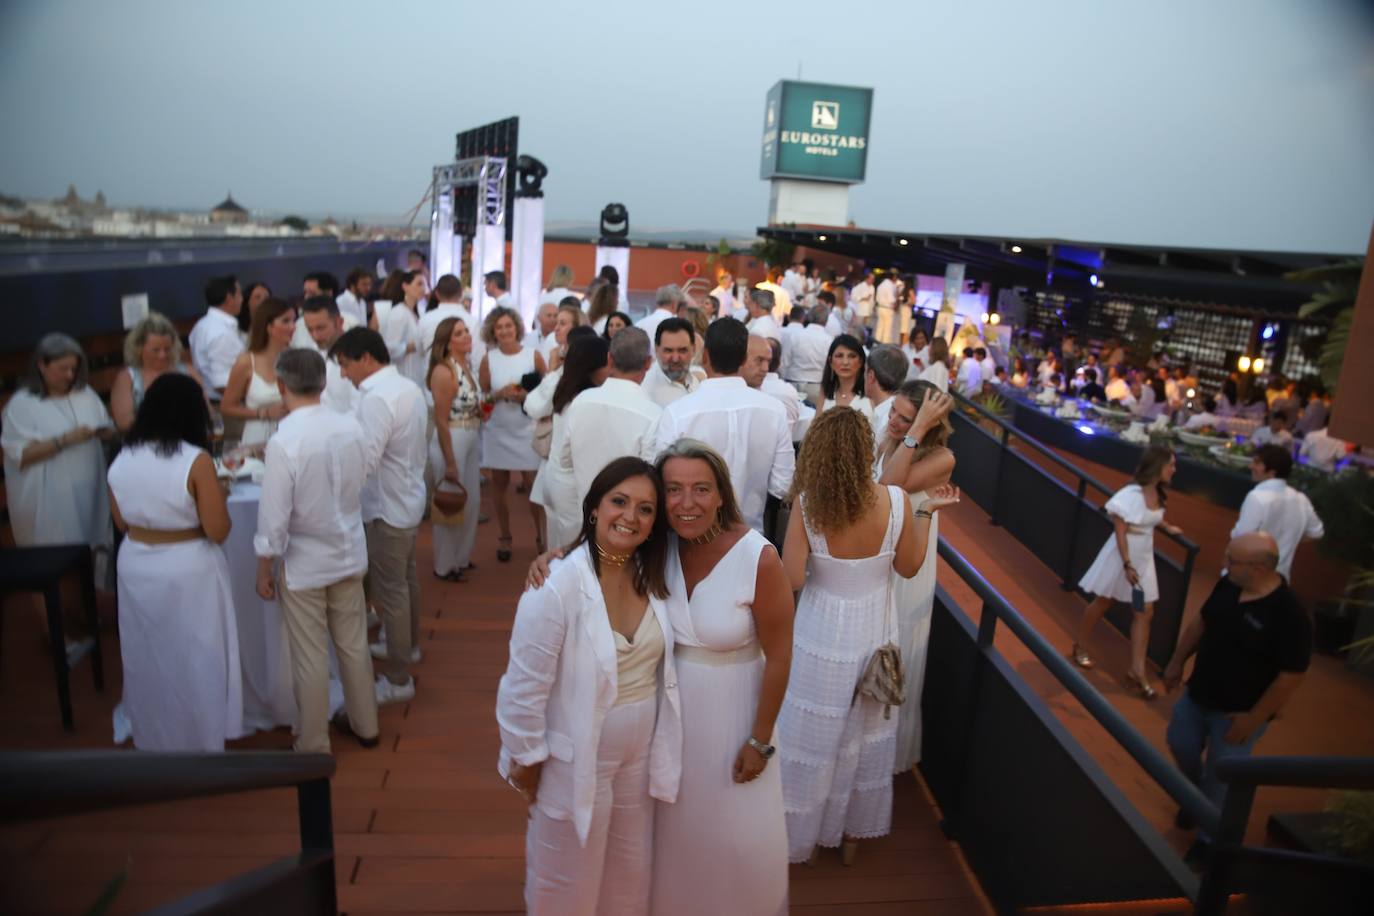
1226,123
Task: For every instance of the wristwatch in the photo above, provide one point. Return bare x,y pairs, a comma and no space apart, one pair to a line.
766,751
910,442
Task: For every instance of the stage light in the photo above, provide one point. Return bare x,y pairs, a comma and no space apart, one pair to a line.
1192,392
820,238
1268,331
1243,364
1092,278
615,224
901,241
1015,249
1086,430
1258,364
985,318
996,318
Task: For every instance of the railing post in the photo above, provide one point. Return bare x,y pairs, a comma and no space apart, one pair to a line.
316,816
997,481
987,628
1067,583
1215,886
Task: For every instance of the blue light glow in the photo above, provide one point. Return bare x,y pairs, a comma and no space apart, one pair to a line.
1268,331
1086,430
1092,279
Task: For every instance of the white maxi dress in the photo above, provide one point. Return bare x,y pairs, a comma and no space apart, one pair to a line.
1107,576
177,633
722,847
837,753
913,601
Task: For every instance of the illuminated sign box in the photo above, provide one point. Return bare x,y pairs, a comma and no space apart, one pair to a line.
815,131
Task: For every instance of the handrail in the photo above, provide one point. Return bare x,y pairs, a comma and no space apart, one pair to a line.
1310,772
42,784
1164,773
1044,451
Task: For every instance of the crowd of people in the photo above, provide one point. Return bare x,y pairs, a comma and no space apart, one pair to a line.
735,507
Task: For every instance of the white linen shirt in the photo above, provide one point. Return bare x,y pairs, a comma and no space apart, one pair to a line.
937,374
215,344
862,297
663,390
747,428
350,306
886,294
788,396
810,350
1285,513
650,322
970,377
402,328
310,510
782,300
765,326
604,423
339,394
560,683
392,412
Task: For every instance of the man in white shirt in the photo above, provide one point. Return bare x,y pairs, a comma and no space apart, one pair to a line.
495,284
392,413
987,366
670,378
796,324
542,332
794,281
353,300
1275,507
886,300
321,317
215,342
884,373
725,293
665,307
807,356
449,292
315,283
761,372
614,419
1276,433
1322,449
762,307
1118,389
970,377
862,298
747,428
310,515
782,300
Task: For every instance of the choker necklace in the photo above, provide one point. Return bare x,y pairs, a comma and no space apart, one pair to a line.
708,536
617,560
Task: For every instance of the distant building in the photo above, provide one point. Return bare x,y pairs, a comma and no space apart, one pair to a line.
229,212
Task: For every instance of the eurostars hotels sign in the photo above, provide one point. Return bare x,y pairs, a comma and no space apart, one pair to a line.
816,131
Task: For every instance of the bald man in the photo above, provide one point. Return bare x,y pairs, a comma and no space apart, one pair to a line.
1253,641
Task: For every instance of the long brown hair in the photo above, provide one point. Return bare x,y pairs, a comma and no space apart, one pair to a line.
834,481
604,301
1152,464
651,556
939,351
271,309
438,348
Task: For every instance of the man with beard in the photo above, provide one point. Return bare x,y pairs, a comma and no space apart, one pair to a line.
671,376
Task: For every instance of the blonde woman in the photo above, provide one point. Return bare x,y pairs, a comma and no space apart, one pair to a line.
152,347
845,537
251,393
914,455
560,285
453,452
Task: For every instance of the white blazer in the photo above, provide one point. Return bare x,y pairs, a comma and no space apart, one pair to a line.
561,682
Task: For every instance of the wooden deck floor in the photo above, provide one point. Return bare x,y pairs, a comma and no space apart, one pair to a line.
422,823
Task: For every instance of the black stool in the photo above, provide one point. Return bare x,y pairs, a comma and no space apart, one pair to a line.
40,569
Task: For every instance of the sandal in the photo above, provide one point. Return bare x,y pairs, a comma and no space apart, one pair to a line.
453,575
503,553
1080,657
1141,685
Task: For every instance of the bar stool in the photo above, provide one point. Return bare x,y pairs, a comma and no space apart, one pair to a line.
40,569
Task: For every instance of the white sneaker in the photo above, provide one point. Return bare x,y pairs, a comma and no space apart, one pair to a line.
372,619
388,692
379,650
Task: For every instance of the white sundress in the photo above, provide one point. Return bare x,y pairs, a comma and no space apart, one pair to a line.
508,434
837,753
1107,576
261,393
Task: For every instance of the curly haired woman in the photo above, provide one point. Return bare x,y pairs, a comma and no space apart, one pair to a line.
847,532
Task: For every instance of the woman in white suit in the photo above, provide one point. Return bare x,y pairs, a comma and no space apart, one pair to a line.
591,731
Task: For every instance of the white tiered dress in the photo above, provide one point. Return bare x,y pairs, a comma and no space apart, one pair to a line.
509,432
1107,576
837,753
722,847
177,633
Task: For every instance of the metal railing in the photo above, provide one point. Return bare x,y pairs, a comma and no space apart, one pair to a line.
41,784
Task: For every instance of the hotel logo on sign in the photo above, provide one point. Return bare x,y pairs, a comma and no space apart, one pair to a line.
825,115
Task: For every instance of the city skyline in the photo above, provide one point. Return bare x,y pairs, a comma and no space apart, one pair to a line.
1237,125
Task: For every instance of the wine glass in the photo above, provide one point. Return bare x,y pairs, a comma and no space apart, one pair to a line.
234,459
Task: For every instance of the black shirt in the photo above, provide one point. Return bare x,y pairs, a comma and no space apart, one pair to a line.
1246,645
1091,391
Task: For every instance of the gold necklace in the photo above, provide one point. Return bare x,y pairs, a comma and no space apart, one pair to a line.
617,560
708,536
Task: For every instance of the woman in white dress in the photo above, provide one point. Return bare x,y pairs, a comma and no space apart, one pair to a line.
53,432
453,450
1126,561
842,381
722,848
151,348
507,439
914,456
585,367
588,708
409,354
251,393
937,367
539,403
177,634
845,538
917,351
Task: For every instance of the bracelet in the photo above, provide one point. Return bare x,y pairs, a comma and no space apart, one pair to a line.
924,513
57,444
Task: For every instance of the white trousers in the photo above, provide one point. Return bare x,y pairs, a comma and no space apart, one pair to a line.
610,875
887,326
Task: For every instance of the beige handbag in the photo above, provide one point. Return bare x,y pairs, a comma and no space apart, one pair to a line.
883,679
542,443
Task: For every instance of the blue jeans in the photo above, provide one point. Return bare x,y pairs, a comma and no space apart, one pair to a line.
1193,729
